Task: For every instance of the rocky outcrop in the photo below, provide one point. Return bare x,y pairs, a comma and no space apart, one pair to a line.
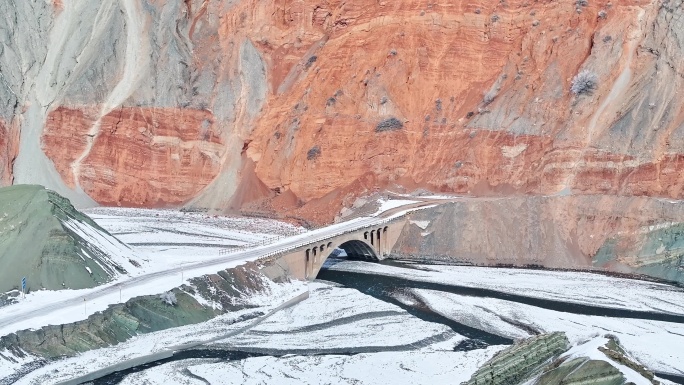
8,151
512,126
140,104
45,239
277,80
550,360
605,368
583,371
626,234
116,324
519,362
140,157
655,250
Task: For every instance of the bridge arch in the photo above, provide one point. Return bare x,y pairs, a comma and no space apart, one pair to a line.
357,249
316,256
372,244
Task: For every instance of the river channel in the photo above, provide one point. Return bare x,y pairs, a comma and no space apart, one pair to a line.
396,290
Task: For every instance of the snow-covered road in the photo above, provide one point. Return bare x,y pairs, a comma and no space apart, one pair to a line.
54,308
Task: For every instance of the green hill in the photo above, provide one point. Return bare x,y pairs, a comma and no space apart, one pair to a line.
45,239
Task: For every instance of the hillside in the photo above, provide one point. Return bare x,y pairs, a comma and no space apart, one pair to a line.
296,108
46,240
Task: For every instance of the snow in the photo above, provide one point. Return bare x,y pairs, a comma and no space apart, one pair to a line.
331,317
421,224
163,268
115,252
392,204
590,349
339,318
573,287
146,344
419,367
170,238
44,307
656,344
334,317
392,346
9,367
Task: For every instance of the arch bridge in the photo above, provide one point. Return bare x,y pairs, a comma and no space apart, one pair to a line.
368,243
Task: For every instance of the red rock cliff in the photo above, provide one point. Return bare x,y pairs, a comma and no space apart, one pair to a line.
316,103
482,94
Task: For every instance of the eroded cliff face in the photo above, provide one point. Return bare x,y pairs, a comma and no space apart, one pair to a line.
298,107
635,235
483,95
8,152
142,157
129,102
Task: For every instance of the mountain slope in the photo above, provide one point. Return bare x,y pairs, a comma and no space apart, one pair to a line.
184,102
297,108
46,240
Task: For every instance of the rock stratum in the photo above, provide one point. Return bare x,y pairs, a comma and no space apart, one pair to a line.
299,107
549,359
620,234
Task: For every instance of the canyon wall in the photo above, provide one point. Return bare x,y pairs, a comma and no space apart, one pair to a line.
633,235
298,107
148,103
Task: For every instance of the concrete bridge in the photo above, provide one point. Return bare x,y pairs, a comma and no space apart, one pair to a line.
369,242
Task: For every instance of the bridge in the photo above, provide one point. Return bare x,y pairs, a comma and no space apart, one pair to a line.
371,242
369,238
300,256
364,238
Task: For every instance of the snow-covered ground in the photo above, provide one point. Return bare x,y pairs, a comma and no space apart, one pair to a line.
335,318
12,363
105,250
658,345
166,241
167,266
392,204
573,287
426,366
308,343
406,350
46,307
168,238
591,350
147,344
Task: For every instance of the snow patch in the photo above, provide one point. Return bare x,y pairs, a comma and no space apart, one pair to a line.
392,204
421,224
590,349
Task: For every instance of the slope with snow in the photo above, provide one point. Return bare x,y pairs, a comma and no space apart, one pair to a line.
45,239
168,238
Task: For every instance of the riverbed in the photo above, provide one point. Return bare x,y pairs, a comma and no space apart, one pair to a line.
407,323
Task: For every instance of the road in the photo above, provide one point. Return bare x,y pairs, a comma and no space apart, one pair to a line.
14,317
